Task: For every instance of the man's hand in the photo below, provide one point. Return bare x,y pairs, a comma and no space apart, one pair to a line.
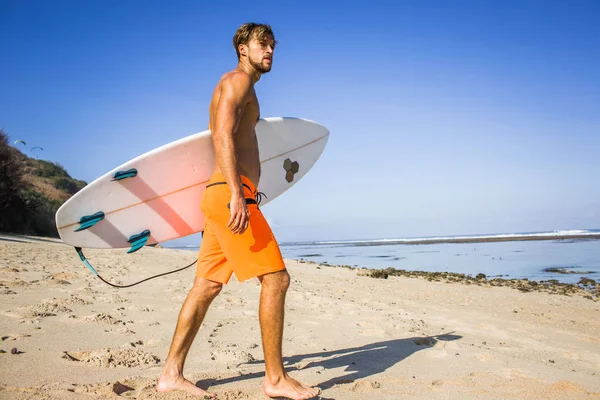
238,223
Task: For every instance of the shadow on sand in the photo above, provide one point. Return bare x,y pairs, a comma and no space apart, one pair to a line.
360,362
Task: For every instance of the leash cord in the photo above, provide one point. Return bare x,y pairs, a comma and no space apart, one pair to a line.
87,264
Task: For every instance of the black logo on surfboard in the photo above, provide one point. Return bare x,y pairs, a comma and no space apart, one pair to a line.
290,169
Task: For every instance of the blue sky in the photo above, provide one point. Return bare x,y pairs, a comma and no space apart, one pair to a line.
446,117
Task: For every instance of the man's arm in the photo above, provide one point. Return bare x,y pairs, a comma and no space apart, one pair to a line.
229,110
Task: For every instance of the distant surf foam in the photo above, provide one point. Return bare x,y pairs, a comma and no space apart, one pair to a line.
575,233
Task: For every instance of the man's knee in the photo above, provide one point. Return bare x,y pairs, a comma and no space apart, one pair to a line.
277,280
207,288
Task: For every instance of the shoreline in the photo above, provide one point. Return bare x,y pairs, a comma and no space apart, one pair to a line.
588,288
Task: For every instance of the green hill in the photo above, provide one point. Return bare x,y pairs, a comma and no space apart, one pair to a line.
31,191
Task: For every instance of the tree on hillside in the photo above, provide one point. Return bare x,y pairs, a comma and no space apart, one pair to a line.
11,174
31,191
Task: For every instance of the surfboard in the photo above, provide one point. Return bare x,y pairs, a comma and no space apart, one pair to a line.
156,196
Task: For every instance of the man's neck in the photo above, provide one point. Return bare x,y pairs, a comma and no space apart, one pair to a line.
250,70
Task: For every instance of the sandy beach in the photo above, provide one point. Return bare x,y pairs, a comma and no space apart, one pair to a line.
67,335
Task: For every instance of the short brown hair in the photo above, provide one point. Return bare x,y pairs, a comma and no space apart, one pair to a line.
249,31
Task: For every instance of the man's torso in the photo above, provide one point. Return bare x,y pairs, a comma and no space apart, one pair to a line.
244,136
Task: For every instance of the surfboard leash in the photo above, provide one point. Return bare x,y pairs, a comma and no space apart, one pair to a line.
87,264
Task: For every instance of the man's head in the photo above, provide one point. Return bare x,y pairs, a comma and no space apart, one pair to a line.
255,43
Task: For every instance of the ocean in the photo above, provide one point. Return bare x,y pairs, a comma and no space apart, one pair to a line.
566,256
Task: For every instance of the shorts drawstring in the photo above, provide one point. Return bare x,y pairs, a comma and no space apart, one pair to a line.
257,200
259,197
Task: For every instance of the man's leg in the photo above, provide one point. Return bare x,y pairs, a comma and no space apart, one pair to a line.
271,315
190,318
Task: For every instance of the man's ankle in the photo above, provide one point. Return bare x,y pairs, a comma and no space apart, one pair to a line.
274,379
172,370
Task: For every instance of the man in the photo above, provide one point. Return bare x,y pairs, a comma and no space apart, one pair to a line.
237,237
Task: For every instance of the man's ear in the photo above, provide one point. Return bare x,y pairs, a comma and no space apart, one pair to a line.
243,49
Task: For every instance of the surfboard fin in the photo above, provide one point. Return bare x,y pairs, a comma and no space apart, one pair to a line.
130,173
138,241
90,220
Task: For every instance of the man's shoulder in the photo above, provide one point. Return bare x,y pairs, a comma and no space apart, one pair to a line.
236,78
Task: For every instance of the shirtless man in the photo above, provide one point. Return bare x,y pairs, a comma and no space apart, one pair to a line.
237,237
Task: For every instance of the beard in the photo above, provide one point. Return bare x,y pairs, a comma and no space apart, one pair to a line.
259,66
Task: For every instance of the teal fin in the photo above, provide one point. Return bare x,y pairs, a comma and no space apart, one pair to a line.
130,173
90,220
138,241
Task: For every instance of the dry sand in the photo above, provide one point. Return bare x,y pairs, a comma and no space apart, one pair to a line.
356,337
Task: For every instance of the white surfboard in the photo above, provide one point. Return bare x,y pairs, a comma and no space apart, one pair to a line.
156,197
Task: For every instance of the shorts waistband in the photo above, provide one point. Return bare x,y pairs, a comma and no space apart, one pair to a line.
219,179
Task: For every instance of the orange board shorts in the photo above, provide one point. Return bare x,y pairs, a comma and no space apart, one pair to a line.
222,252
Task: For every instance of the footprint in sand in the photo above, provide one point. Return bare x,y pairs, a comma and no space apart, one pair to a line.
111,358
72,301
14,282
426,341
214,333
61,278
125,331
106,318
365,386
103,390
48,308
231,355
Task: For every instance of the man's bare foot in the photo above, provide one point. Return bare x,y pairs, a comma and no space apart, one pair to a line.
167,383
289,388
